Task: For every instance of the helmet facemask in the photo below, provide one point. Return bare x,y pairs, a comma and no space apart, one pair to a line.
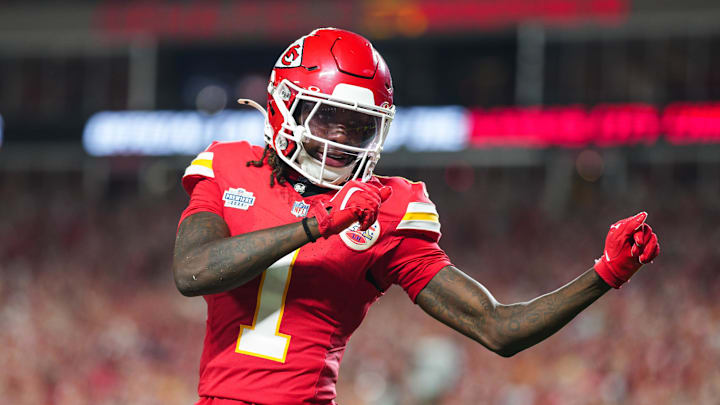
335,139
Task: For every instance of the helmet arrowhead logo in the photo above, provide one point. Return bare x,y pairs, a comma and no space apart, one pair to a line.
290,55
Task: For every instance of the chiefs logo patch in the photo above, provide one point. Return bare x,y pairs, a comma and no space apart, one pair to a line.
292,55
356,239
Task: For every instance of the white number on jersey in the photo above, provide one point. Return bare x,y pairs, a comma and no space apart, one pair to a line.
263,338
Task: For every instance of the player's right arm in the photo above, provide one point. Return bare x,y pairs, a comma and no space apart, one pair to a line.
207,260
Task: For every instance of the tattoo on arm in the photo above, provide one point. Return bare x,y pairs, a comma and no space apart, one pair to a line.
528,323
207,260
198,229
461,303
465,305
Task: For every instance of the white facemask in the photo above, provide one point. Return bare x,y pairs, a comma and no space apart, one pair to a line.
330,174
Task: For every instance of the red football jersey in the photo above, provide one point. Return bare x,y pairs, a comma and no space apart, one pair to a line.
279,338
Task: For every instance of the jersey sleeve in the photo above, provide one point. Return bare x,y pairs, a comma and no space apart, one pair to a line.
205,196
419,215
414,262
413,256
200,168
200,183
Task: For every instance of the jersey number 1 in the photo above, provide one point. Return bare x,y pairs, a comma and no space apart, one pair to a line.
263,338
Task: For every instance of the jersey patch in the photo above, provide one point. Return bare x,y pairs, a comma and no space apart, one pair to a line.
359,240
202,165
238,198
421,216
300,208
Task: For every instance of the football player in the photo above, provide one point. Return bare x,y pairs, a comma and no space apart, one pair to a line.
291,243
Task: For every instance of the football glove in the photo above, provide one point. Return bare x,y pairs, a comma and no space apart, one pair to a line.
629,244
356,201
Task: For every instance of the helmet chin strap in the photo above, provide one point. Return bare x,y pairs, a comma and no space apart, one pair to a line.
332,175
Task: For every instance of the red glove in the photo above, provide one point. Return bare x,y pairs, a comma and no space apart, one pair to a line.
630,243
356,201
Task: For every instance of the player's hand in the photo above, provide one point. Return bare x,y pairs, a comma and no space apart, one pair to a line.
630,243
356,201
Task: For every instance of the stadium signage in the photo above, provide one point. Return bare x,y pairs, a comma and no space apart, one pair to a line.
441,128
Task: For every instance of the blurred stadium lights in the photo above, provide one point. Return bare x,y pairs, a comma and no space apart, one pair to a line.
428,129
159,133
422,129
571,59
381,19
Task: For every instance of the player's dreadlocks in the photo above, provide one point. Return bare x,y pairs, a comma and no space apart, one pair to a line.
279,168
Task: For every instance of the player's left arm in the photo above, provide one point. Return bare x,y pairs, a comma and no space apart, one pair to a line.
468,307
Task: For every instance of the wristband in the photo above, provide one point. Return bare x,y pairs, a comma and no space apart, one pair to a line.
307,230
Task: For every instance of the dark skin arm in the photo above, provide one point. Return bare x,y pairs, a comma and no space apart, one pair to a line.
208,261
467,306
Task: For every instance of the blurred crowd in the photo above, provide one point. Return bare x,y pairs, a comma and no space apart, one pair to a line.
89,313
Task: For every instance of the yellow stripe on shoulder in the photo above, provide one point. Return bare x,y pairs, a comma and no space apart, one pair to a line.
422,207
422,216
202,165
202,162
195,170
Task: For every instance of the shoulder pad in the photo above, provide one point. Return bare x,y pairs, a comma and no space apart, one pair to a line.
202,165
205,164
419,214
423,217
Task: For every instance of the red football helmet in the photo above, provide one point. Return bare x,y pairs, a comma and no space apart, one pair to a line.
330,105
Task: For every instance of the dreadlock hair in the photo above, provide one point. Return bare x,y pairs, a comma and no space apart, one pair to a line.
279,168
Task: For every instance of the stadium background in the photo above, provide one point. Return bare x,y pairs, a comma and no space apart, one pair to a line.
534,124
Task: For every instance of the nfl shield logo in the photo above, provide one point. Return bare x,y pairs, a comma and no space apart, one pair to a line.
300,209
